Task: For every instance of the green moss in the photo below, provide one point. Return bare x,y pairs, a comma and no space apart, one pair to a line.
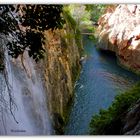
109,121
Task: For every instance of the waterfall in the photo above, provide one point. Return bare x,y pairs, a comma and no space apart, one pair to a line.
25,113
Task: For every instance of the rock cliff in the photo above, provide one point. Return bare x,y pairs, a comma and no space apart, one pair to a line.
53,76
58,72
119,31
131,122
61,68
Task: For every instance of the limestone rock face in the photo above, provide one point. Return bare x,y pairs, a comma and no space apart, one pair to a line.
119,31
61,67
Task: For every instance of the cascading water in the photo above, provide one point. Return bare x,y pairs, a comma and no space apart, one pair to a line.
23,109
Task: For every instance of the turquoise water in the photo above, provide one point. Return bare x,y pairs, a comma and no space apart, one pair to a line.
100,80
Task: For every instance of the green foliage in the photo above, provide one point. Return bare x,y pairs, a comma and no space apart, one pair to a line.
69,19
43,17
24,26
79,13
109,121
96,10
93,38
74,26
92,29
94,13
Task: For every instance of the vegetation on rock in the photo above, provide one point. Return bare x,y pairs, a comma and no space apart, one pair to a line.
23,26
96,10
110,121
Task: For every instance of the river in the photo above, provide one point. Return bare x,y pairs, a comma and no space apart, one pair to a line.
101,79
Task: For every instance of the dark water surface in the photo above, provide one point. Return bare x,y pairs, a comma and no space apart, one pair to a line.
100,80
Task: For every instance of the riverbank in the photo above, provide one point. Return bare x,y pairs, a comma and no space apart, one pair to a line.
121,117
101,79
118,32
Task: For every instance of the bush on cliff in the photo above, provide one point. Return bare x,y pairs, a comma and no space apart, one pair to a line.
110,121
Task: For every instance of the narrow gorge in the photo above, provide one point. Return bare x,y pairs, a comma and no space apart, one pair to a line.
69,69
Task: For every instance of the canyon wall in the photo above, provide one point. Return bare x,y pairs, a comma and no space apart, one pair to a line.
23,102
119,31
61,68
43,91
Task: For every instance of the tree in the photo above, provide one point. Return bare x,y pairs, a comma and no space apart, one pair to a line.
96,10
23,26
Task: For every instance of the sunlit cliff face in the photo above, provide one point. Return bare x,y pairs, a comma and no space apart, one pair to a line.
119,31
